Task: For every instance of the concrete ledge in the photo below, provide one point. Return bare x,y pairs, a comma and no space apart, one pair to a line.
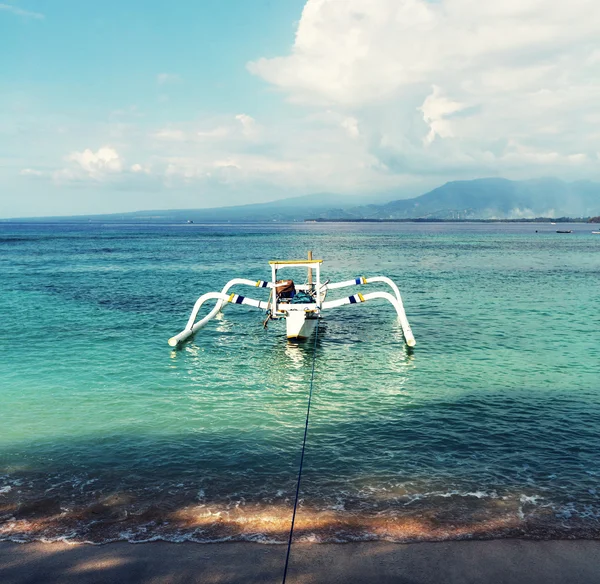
454,562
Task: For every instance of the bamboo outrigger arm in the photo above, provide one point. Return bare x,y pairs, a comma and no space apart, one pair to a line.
234,282
222,298
361,280
220,303
396,303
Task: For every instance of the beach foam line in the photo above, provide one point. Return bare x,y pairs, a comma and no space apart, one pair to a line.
269,524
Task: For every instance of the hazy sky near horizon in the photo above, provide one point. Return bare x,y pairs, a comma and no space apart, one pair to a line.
119,106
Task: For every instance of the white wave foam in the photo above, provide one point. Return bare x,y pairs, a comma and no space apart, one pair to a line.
454,493
531,499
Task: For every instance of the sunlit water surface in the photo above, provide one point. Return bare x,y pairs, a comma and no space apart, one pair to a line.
490,428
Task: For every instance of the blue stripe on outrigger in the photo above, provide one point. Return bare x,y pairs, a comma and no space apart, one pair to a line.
352,299
263,284
239,300
358,281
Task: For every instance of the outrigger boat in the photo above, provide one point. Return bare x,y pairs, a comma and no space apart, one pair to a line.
300,304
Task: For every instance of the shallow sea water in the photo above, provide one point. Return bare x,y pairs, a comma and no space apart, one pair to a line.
489,428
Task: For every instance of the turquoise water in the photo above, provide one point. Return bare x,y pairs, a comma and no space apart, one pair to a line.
491,427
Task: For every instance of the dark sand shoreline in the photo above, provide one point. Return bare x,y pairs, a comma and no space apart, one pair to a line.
453,562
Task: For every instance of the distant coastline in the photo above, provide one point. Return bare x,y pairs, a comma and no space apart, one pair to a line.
156,221
434,220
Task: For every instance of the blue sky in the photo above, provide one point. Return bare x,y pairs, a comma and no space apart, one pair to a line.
119,106
88,58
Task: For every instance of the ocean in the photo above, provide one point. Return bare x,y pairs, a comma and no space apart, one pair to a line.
489,428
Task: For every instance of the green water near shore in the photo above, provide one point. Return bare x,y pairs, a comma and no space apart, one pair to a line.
492,421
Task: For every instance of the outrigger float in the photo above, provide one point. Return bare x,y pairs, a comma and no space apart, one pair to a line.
300,304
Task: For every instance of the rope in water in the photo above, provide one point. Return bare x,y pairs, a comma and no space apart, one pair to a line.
312,378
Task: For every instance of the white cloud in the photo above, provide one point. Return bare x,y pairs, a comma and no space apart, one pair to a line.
232,128
241,169
229,163
98,167
20,12
31,172
165,78
104,167
517,152
169,134
249,127
350,124
139,168
360,51
96,164
218,132
293,157
521,72
435,110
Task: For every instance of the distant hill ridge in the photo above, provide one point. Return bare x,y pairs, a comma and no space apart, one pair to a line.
486,198
493,198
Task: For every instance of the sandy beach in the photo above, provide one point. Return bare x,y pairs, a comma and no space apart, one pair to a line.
465,562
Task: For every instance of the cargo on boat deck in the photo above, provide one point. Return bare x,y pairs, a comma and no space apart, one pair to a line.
285,289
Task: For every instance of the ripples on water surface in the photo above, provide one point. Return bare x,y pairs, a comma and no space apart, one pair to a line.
490,428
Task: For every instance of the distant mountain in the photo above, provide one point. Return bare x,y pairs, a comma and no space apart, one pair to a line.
291,209
487,198
490,198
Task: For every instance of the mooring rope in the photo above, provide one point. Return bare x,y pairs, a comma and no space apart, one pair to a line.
312,378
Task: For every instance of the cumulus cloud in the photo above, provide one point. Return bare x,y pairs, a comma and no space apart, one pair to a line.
360,51
452,86
97,164
436,111
105,165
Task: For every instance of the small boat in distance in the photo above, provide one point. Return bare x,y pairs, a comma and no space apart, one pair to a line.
596,232
301,305
564,231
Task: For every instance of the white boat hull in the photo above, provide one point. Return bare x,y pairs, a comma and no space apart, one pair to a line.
299,324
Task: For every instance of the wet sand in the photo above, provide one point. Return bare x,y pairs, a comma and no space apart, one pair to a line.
455,562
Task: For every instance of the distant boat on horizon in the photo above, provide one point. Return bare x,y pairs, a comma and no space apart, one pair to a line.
564,231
